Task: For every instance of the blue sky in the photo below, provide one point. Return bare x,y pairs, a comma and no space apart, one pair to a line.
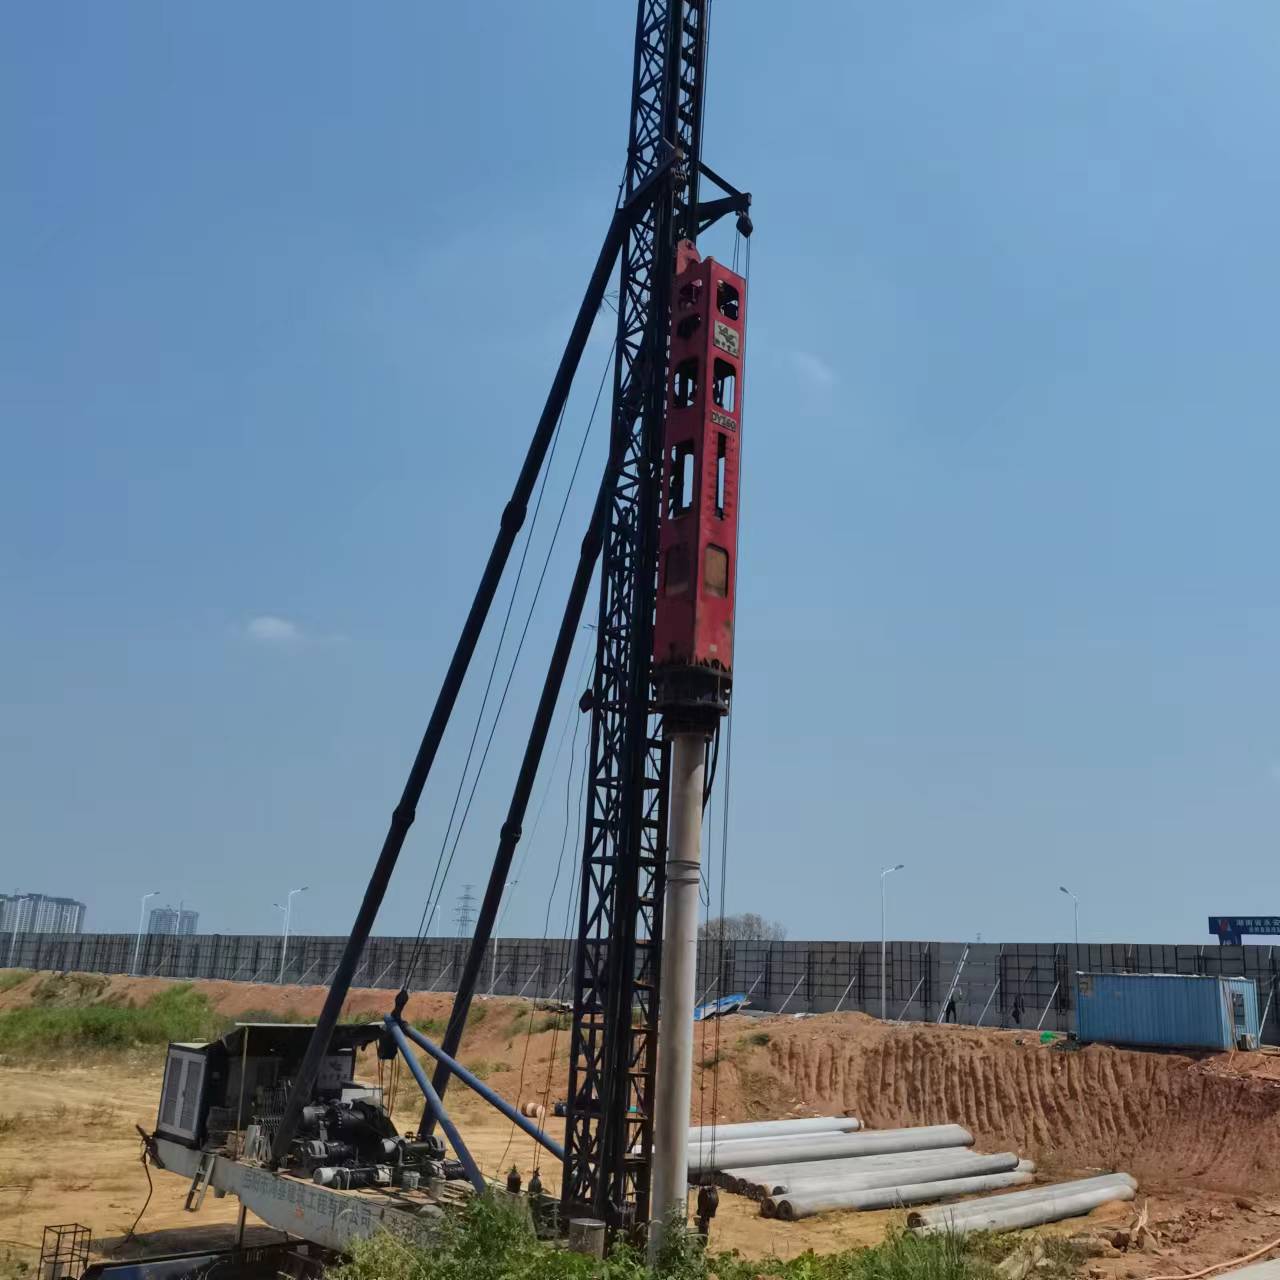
283,288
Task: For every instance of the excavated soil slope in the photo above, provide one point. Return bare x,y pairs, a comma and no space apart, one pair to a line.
1168,1118
1209,1123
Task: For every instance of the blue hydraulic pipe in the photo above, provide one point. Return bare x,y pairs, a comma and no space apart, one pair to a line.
433,1101
485,1092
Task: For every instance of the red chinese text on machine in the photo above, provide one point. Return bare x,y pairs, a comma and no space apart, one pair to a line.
698,537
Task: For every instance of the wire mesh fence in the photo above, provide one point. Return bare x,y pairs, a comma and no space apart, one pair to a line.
1011,984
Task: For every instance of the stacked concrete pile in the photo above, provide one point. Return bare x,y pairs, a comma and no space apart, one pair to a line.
1031,1208
800,1168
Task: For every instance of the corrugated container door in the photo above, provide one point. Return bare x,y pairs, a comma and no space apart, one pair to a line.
1242,999
1170,1011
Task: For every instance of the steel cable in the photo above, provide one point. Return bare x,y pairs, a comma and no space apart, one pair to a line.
440,877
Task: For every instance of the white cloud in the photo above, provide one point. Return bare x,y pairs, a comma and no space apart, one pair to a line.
814,370
268,629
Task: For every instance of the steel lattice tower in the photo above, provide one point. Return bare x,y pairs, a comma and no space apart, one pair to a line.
612,1050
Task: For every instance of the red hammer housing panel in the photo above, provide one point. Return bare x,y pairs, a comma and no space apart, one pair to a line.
698,530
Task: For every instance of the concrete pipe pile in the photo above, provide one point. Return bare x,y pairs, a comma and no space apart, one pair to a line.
805,1205
952,1162
899,1175
825,1146
781,1172
1042,1205
767,1179
928,1171
946,1213
772,1129
775,1179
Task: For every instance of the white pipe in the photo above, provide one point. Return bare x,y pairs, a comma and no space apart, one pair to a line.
887,1175
852,980
932,1217
673,1084
872,1141
792,1206
766,1179
1051,1208
771,1142
962,1165
783,1174
790,993
823,1146
773,1128
855,1164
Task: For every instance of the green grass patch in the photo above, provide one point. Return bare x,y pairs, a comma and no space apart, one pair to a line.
17,1263
482,1068
268,1016
10,978
178,1013
66,990
757,1039
486,1241
529,1022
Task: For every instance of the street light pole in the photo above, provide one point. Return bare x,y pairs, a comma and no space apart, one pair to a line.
1076,907
288,912
142,911
887,871
497,933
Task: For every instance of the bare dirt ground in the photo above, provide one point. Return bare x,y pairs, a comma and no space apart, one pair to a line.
1197,1133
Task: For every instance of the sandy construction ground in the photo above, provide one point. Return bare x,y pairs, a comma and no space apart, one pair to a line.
1198,1133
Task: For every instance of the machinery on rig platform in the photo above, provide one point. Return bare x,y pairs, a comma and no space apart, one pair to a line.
286,1128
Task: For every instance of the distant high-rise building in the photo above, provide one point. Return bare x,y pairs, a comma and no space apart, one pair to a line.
39,913
172,920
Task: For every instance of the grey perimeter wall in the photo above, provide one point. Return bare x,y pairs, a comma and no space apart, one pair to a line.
793,977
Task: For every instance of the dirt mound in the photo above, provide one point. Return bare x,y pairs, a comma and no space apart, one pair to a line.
1167,1118
1170,1119
522,1051
261,1001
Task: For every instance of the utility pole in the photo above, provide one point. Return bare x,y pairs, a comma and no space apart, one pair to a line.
1075,902
288,912
884,874
142,911
493,961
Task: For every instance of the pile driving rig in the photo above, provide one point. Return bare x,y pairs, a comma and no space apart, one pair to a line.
310,1151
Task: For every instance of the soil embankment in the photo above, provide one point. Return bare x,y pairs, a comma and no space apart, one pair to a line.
1196,1132
1211,1121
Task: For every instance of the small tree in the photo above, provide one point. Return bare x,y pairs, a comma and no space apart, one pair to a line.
748,927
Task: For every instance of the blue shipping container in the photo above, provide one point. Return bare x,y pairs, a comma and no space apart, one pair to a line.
1167,1010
